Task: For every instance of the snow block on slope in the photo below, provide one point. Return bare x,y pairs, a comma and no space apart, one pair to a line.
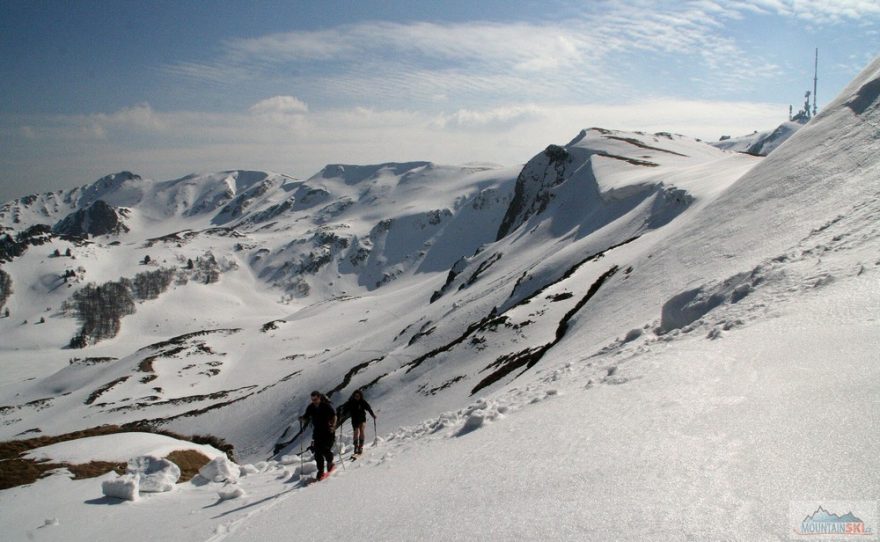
220,469
232,492
249,469
122,487
689,306
155,474
308,467
289,459
473,422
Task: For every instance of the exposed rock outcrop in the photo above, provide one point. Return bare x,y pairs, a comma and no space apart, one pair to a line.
96,219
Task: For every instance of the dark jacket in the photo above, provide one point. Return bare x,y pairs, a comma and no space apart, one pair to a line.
357,409
322,417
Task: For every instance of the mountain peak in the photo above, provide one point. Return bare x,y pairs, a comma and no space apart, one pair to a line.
118,189
114,181
120,176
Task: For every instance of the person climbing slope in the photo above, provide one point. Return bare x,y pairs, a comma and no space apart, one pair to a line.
322,416
357,407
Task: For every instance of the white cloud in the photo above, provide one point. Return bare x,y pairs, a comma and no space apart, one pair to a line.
494,119
213,72
390,64
138,118
293,46
818,11
482,42
280,105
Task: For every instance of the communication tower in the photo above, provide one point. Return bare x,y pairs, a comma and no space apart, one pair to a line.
804,115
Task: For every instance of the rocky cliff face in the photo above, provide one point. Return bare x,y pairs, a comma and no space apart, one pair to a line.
532,193
96,219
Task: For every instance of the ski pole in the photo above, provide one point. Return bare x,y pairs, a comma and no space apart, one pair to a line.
339,452
301,452
375,434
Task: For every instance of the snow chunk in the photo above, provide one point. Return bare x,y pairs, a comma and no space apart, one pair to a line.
689,306
122,487
232,492
220,469
308,467
249,469
632,335
475,421
155,474
289,459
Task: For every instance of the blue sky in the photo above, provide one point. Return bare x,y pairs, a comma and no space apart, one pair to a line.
166,88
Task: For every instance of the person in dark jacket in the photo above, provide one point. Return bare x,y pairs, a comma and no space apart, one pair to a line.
322,416
357,407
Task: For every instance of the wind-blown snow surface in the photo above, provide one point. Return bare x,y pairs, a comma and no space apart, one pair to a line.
634,337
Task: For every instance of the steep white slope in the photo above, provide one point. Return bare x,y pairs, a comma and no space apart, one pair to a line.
780,211
691,439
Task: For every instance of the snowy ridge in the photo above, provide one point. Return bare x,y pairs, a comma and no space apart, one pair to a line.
760,143
673,331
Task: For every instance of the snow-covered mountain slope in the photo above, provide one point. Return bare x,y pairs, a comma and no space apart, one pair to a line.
760,143
287,248
633,336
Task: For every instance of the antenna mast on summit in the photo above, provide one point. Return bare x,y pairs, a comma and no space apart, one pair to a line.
804,115
815,80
